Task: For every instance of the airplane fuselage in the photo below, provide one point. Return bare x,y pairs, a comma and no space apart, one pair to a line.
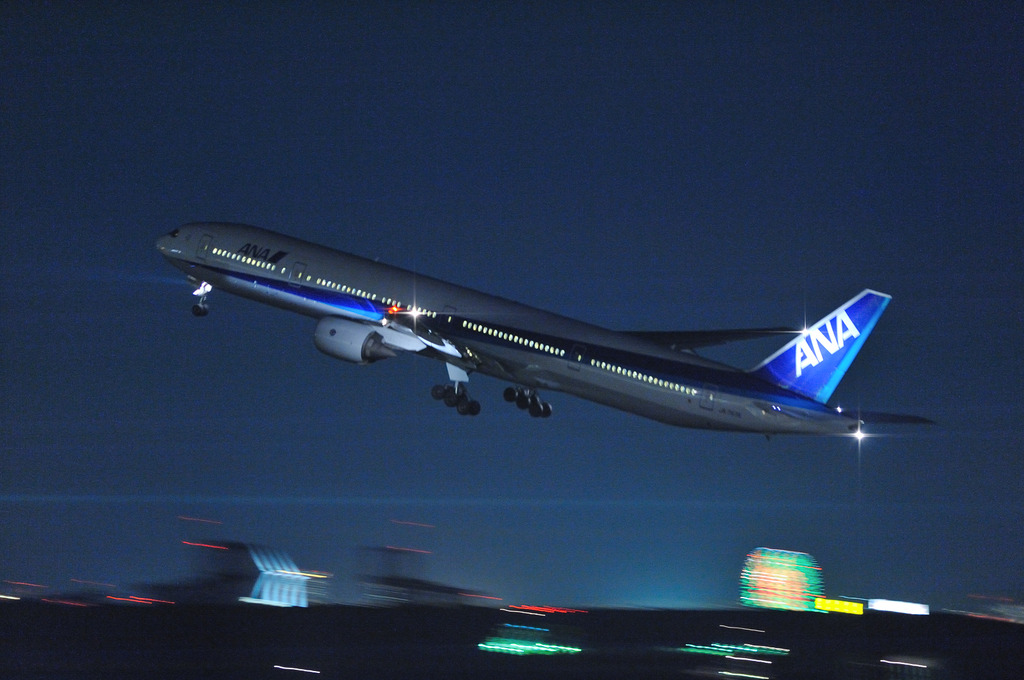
480,333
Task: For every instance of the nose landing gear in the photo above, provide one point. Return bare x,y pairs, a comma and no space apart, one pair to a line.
200,308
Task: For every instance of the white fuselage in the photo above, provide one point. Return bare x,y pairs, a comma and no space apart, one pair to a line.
493,336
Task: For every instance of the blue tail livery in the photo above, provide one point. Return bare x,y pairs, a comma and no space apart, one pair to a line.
813,364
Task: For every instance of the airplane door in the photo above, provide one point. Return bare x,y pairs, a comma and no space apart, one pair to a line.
707,397
576,356
296,273
204,247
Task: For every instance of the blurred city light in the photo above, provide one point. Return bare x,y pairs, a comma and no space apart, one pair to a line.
780,579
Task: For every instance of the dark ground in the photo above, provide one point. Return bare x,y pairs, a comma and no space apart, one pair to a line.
51,641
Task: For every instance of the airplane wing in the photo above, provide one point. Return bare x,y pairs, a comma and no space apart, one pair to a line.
688,340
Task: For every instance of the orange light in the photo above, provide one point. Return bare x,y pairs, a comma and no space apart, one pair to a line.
482,597
148,600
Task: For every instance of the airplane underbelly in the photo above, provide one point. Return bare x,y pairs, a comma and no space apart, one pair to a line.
699,409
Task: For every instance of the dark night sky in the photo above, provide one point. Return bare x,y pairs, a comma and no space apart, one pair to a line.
657,166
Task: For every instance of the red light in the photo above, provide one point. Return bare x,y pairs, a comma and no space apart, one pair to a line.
93,583
547,610
206,545
415,550
67,602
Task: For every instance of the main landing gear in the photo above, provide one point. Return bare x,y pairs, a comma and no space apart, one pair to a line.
528,400
457,397
455,394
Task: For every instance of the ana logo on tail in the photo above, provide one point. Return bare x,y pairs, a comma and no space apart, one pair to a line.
808,349
813,364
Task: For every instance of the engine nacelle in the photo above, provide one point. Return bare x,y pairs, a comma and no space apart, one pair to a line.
350,341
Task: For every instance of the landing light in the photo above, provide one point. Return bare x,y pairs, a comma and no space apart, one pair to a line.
203,289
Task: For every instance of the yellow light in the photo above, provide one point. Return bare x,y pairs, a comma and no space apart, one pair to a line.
840,606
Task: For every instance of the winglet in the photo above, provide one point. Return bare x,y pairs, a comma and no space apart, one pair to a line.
813,364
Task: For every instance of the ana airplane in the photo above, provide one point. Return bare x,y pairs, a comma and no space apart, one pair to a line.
367,311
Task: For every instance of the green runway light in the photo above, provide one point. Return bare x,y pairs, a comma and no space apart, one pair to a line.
523,640
522,648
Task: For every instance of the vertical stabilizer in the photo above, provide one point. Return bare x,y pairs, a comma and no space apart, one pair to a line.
813,364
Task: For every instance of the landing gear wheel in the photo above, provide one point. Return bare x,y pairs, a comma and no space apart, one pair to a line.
200,310
528,400
468,407
535,407
455,396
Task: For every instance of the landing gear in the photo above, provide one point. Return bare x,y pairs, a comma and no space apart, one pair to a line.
200,308
528,400
455,396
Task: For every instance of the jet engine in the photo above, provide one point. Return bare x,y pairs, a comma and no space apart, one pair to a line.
350,341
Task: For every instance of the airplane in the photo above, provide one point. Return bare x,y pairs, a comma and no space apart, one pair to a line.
367,311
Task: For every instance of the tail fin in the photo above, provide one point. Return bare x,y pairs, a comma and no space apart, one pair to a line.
813,364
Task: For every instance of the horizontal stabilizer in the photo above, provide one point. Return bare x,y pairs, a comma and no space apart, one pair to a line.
813,364
879,418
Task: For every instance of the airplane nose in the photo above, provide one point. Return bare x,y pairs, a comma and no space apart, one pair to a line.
167,244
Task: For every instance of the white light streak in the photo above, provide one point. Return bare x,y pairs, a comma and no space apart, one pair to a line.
300,670
520,611
903,663
747,658
899,607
